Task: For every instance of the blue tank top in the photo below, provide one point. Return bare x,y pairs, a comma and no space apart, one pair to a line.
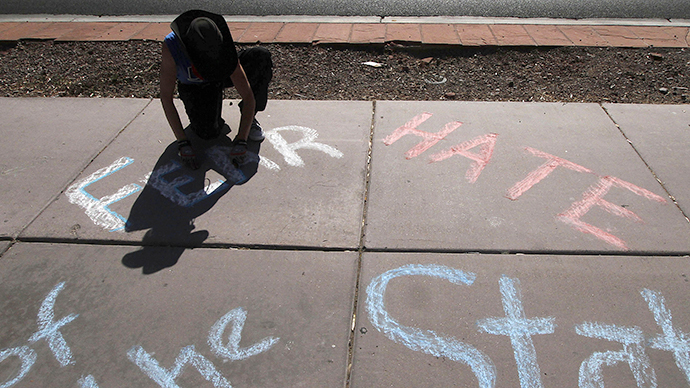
186,73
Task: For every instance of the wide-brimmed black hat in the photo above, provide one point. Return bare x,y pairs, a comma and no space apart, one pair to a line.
206,39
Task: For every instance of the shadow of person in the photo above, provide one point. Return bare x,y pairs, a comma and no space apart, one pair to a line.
174,196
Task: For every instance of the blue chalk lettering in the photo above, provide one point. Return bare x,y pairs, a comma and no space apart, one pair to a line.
427,341
671,340
633,353
520,330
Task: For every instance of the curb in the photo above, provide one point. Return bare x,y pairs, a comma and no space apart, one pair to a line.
455,31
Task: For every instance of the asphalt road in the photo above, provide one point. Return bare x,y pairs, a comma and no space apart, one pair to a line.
578,9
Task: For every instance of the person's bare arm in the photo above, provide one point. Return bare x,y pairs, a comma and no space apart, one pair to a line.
239,79
168,76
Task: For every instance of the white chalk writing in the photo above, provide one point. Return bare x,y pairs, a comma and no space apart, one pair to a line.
233,351
166,377
97,209
88,382
288,150
50,330
27,357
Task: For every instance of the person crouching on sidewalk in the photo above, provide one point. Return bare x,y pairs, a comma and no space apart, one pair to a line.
199,56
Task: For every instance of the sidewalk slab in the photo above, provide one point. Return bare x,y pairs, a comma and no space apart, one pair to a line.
660,133
368,33
512,35
518,177
86,31
439,34
296,33
15,31
122,31
52,141
259,318
333,33
306,190
547,35
154,31
476,35
583,36
563,311
619,36
52,30
260,33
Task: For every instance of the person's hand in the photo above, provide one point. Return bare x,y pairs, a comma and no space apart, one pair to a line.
186,153
238,152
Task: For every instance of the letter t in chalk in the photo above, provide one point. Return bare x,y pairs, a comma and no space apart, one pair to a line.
520,330
50,330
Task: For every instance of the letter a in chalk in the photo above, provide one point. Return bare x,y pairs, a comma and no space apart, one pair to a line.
50,330
633,353
233,351
410,128
427,341
520,330
486,144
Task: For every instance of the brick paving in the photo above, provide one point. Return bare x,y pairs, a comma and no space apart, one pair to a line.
459,34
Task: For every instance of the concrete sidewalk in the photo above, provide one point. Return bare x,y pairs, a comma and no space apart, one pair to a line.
366,244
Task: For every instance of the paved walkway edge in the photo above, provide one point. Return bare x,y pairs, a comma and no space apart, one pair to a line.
456,31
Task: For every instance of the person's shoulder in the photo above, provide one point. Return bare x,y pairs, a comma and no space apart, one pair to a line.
172,36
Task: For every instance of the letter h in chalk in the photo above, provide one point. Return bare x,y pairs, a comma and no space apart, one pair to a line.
430,139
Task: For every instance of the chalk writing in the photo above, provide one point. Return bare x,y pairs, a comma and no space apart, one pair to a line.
50,330
27,357
594,197
573,216
430,139
97,209
166,377
189,356
232,350
671,340
536,176
520,330
171,189
88,382
288,150
427,341
486,151
633,353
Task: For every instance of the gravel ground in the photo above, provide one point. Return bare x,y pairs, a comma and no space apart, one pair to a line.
564,74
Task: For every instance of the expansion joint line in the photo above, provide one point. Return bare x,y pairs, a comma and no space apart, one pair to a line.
361,248
668,193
